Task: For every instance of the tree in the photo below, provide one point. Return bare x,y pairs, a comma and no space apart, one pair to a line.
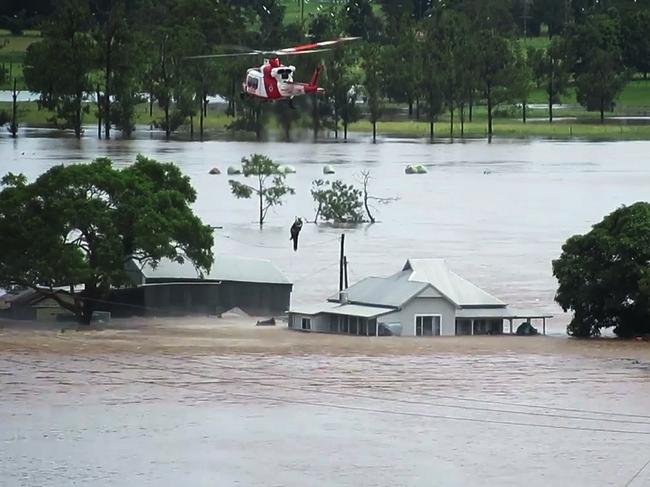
604,275
372,68
598,62
270,187
365,178
551,71
78,225
431,82
495,60
635,30
59,66
337,202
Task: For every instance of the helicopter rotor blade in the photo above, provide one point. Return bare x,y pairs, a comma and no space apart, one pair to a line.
316,45
233,54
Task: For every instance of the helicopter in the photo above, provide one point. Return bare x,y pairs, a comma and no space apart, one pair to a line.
273,81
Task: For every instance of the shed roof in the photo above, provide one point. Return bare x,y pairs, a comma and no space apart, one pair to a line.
503,312
458,290
224,268
384,291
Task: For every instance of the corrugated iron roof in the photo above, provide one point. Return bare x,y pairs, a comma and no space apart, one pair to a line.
224,268
458,290
342,309
383,291
502,312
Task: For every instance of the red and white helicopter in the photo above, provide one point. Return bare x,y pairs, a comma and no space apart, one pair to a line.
273,81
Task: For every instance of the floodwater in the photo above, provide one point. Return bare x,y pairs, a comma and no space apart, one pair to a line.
497,212
281,408
434,419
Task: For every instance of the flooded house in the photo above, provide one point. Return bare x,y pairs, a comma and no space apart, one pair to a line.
425,298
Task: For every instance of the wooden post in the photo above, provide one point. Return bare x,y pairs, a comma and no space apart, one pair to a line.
510,320
13,128
341,258
544,326
472,326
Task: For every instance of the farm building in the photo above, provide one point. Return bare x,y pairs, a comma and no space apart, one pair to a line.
29,304
256,286
424,299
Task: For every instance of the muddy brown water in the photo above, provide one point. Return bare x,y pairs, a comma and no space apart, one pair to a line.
207,403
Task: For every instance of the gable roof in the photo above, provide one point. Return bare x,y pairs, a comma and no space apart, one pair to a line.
458,290
224,268
392,291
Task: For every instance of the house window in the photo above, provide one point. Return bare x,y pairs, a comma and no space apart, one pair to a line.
427,325
306,324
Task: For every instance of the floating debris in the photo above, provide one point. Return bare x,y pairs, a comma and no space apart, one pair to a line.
215,170
233,170
328,170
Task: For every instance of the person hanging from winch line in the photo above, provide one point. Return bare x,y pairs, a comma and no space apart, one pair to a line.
295,230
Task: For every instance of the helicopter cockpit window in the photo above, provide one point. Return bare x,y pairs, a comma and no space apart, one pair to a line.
252,83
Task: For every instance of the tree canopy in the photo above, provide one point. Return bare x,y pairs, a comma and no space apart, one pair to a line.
77,225
270,186
604,275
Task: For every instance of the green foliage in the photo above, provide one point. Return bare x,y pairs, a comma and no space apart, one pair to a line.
635,32
59,66
270,186
604,275
79,224
337,202
372,68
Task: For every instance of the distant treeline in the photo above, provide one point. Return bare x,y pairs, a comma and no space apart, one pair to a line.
432,56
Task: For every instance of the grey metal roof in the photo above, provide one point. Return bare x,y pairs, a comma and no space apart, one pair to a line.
503,312
458,290
342,309
384,291
224,268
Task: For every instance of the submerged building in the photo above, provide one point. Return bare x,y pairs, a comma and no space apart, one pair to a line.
256,286
425,298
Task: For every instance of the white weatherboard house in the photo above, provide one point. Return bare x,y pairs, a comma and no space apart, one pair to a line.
424,299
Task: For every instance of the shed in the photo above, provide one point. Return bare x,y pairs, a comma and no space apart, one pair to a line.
256,286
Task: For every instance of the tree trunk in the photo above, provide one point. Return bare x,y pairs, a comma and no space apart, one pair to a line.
191,127
431,130
417,109
550,103
150,105
201,117
410,108
261,208
471,100
258,128
462,120
336,122
602,110
77,122
99,114
345,131
167,127
451,122
107,90
489,109
365,203
374,131
13,128
523,111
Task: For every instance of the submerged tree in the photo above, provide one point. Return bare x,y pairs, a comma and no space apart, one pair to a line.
270,186
604,275
337,202
78,225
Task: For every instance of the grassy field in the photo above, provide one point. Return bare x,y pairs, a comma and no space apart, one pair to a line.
12,52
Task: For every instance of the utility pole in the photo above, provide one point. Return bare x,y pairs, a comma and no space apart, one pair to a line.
345,271
341,262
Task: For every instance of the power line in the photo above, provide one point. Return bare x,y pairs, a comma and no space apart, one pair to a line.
332,405
629,482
